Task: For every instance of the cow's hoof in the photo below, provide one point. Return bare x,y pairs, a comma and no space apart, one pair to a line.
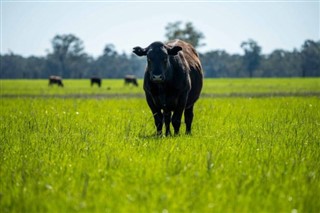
159,133
168,134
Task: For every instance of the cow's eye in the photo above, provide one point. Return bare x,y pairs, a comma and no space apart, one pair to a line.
165,60
149,60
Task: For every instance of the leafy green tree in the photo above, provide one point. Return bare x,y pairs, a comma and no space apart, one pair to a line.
251,56
310,56
110,50
187,33
219,64
35,67
111,64
12,66
280,63
68,51
105,65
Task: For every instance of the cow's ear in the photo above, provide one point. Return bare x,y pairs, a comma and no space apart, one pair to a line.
140,51
174,50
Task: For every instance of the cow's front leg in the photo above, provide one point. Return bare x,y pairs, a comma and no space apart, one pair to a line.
176,120
158,120
167,121
157,114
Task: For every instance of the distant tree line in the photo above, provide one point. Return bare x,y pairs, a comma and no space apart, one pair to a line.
280,63
69,60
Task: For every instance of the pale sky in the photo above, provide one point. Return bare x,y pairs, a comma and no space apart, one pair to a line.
27,27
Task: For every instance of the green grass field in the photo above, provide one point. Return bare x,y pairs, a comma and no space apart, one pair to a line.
83,149
213,87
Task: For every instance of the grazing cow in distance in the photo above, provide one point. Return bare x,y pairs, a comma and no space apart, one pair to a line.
53,79
172,82
96,80
130,79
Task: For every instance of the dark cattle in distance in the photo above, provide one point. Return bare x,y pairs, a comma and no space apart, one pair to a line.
130,79
55,80
172,82
96,80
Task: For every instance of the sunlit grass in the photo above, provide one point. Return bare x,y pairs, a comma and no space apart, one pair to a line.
226,87
261,85
245,155
75,87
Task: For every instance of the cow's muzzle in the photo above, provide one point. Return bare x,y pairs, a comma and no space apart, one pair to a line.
157,78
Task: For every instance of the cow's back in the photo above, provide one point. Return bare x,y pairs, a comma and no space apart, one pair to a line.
194,64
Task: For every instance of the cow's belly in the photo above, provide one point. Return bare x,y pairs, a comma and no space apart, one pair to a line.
166,103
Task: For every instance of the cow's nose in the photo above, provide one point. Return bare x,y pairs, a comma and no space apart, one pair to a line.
157,78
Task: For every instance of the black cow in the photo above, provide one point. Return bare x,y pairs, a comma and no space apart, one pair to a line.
55,80
130,79
96,80
172,82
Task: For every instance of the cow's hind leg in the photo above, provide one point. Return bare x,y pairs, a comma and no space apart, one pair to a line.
176,117
188,117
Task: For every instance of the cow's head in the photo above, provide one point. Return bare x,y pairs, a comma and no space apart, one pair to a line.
158,59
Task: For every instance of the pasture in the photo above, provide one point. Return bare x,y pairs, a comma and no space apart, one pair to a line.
255,147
